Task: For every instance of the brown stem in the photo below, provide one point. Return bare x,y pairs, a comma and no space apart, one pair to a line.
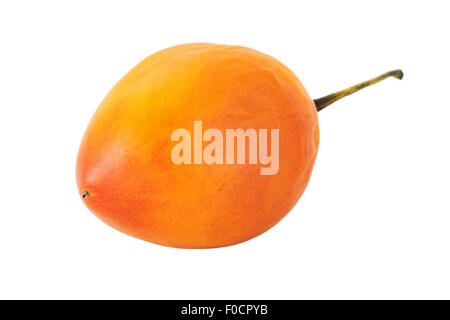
329,99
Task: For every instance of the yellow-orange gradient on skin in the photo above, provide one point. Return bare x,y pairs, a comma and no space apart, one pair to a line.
124,163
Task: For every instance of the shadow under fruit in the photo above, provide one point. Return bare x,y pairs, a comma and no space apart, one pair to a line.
125,174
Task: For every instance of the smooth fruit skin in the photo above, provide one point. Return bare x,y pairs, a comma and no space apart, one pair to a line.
124,160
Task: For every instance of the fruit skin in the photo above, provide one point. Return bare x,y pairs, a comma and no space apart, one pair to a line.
124,159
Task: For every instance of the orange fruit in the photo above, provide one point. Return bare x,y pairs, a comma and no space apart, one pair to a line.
125,168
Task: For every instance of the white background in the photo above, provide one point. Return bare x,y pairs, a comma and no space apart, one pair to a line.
374,221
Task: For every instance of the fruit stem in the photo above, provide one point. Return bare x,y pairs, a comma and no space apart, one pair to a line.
85,194
329,99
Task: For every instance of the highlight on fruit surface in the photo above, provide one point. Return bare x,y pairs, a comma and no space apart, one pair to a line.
202,146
